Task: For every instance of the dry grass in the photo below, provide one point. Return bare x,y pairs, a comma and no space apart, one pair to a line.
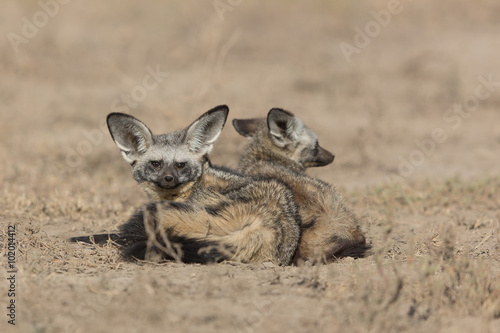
436,241
435,264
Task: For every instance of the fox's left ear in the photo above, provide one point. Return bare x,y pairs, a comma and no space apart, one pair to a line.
201,135
283,126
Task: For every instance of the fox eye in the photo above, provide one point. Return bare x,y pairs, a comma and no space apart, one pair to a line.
181,165
155,164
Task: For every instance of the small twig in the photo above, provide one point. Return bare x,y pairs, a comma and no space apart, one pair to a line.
485,239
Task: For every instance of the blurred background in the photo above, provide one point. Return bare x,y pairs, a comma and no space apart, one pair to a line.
377,80
405,93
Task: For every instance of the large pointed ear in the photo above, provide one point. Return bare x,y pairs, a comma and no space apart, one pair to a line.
131,135
248,127
201,135
283,126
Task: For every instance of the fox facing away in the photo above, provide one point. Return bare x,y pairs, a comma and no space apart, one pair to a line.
199,213
282,147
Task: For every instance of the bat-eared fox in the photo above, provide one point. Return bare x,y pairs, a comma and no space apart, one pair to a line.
282,147
198,212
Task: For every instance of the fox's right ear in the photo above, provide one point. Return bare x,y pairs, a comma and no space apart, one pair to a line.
283,126
131,135
248,127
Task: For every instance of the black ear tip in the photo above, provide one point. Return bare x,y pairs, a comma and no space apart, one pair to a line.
279,111
117,115
222,107
111,115
273,110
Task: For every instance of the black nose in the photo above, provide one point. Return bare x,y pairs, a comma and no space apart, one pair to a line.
169,179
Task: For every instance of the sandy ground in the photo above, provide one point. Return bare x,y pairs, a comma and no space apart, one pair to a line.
406,94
